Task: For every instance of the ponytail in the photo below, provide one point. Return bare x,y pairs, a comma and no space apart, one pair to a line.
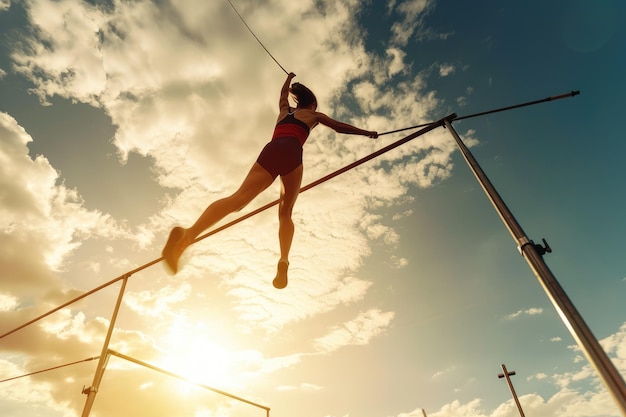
302,95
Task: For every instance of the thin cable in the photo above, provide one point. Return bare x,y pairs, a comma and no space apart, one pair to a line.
530,103
403,129
255,37
51,369
315,183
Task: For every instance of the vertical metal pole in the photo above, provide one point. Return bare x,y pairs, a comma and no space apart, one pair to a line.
561,302
506,374
104,356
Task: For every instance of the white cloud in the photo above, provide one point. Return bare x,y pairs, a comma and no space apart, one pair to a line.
7,302
358,331
5,5
456,408
398,262
528,312
69,54
443,372
410,10
65,325
42,221
30,390
157,303
446,70
397,61
562,404
404,214
615,345
302,387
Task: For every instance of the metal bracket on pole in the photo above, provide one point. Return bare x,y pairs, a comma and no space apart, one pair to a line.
541,250
88,390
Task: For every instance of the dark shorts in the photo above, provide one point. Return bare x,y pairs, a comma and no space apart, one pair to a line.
281,156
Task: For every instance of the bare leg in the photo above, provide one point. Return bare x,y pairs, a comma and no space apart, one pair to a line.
290,189
257,180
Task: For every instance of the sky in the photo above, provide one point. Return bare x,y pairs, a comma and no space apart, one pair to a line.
120,120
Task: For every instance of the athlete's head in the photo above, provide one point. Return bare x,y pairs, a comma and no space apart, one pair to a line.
303,96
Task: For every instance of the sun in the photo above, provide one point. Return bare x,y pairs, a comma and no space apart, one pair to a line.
194,352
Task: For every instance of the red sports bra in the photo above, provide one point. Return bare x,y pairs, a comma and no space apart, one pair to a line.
290,127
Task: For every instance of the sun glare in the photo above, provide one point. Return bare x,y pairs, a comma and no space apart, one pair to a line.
191,350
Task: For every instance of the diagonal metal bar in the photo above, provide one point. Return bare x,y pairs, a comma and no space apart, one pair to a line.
182,378
315,183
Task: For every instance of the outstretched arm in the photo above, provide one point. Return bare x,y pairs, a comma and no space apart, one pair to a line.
283,102
341,127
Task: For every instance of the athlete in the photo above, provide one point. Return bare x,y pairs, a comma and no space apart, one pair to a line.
282,156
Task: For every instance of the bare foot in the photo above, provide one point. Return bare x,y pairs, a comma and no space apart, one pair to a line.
280,281
173,249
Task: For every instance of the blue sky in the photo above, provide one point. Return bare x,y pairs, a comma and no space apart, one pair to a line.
119,120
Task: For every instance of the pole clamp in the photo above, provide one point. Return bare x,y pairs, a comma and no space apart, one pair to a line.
89,390
541,250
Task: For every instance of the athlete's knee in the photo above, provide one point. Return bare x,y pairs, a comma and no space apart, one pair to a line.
284,213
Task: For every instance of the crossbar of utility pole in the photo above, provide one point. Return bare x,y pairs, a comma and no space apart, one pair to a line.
506,374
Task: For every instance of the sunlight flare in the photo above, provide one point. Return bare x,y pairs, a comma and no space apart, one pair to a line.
193,351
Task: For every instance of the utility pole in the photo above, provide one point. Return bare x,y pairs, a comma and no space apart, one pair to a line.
506,374
533,253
